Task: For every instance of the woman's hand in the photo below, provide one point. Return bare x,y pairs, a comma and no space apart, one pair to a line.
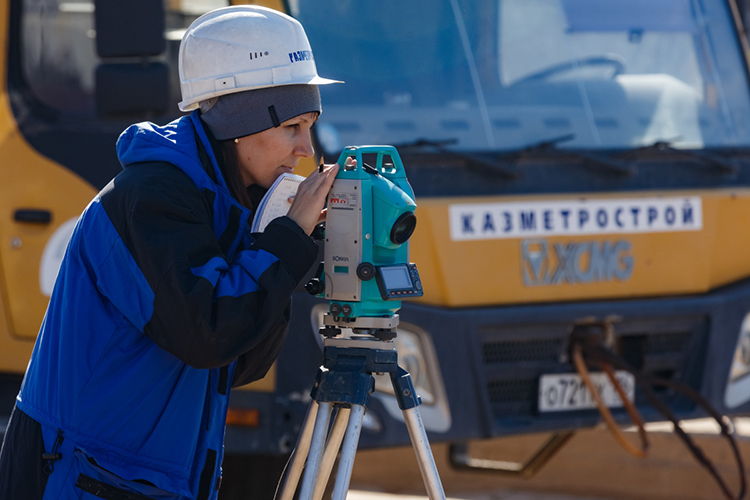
307,207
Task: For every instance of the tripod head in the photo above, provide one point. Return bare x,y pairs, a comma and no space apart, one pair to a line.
366,270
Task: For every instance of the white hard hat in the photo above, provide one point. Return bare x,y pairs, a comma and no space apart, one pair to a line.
243,47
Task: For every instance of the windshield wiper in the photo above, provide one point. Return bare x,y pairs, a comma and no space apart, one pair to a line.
546,145
471,161
586,159
662,146
504,164
427,142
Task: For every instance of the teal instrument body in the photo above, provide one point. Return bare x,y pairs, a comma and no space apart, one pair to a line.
369,222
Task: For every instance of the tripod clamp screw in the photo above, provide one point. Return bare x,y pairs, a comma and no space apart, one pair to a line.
329,331
383,334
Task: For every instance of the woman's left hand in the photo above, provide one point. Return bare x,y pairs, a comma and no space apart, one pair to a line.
307,207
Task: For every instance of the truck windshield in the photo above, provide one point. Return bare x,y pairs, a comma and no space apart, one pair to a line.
496,75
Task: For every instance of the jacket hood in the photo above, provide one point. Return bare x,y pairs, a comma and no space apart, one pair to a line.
174,143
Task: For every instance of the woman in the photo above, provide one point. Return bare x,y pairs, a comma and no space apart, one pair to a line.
164,299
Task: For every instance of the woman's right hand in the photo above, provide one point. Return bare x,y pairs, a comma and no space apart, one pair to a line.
307,207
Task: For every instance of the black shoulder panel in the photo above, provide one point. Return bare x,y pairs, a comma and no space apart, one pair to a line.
160,189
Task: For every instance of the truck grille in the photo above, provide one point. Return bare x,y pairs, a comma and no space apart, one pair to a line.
511,391
514,351
515,357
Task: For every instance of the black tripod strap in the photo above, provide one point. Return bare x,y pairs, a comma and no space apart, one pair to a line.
645,382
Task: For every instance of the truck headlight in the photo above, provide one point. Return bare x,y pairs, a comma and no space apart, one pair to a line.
411,358
741,358
416,354
737,391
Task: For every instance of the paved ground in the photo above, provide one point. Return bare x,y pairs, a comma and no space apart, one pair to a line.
497,495
591,467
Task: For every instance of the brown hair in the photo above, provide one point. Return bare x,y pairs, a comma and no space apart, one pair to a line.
230,168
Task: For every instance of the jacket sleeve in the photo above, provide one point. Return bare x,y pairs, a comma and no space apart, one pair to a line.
207,310
255,363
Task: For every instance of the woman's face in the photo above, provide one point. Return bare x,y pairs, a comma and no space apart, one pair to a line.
266,155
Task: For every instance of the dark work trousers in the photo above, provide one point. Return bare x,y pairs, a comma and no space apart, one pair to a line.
26,475
21,465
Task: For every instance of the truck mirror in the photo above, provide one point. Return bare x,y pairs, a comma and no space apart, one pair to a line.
129,29
137,88
132,90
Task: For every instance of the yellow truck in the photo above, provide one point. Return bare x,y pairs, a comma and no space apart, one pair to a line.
573,161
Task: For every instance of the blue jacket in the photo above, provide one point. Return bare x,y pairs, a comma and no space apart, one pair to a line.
164,301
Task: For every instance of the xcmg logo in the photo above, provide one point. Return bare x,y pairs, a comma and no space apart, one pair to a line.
580,262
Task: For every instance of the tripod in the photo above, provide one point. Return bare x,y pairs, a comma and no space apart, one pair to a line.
345,382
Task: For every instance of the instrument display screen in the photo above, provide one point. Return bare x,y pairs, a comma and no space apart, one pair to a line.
399,281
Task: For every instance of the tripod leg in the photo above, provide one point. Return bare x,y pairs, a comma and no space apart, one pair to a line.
332,449
316,451
408,401
424,454
299,455
348,451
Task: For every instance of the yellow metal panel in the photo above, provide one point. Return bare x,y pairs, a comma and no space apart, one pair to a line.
487,272
27,180
729,256
424,252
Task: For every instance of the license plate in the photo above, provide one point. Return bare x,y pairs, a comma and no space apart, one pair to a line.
567,391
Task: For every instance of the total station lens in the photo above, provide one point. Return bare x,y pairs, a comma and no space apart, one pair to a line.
403,228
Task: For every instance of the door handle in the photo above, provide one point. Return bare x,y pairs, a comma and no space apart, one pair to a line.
33,216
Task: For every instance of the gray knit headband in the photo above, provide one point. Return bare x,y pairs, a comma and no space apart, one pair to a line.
252,111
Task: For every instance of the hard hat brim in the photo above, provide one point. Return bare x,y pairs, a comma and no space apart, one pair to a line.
191,104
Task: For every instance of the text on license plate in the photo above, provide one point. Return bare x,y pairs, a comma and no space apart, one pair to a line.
567,391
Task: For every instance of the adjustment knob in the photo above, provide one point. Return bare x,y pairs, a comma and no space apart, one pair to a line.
365,271
315,287
319,232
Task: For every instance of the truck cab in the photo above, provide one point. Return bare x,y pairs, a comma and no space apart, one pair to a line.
571,159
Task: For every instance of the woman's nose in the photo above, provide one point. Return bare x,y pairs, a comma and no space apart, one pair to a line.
304,146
